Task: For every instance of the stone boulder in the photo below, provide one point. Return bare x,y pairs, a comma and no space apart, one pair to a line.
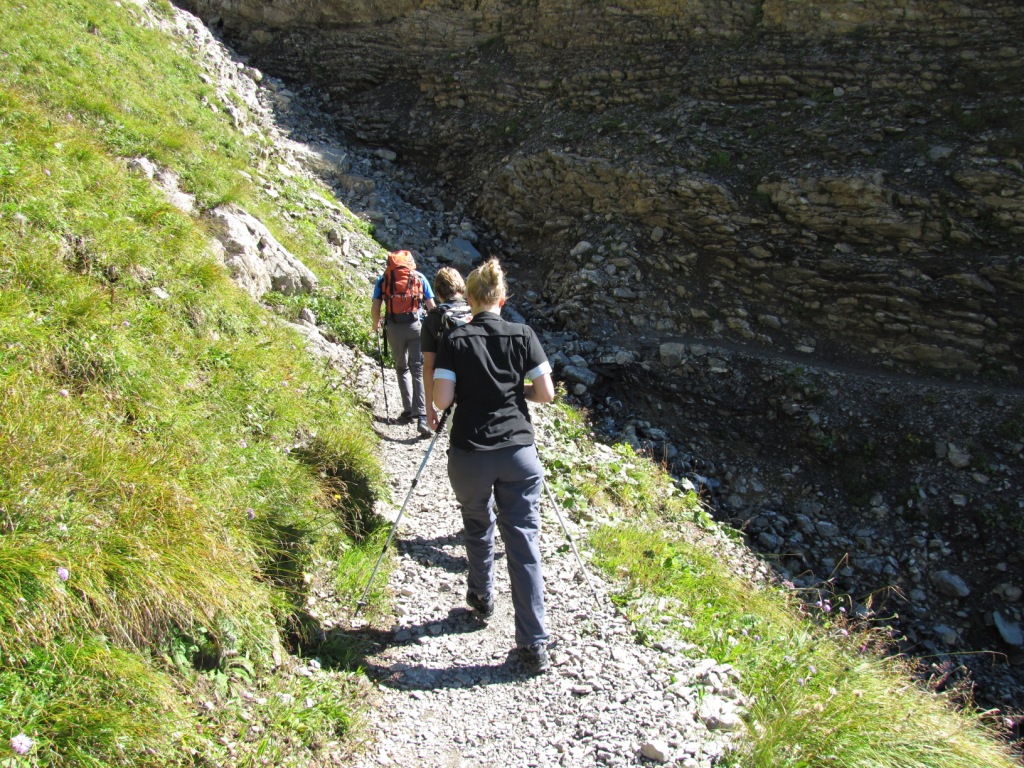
257,261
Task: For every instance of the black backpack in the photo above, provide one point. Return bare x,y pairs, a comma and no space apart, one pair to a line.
452,316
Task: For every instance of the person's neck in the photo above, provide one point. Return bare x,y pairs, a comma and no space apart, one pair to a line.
478,308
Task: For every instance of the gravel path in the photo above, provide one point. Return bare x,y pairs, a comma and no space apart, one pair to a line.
452,692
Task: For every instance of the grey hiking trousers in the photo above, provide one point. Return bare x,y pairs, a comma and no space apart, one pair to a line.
404,340
501,488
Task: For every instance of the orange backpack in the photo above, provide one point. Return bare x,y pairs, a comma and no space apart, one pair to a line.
401,289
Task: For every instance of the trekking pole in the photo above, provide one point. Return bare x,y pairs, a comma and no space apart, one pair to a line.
572,544
383,383
440,428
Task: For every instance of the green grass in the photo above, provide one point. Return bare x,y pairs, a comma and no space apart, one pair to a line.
173,469
170,469
822,689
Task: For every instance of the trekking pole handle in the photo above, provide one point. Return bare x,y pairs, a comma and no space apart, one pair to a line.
444,418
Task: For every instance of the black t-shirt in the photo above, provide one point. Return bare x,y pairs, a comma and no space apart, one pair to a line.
430,333
488,359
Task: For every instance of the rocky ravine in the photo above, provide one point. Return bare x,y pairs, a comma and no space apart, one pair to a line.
874,479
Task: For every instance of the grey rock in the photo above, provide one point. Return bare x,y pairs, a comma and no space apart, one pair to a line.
577,373
950,584
655,750
257,261
581,248
671,354
1010,631
827,529
957,457
329,161
946,634
144,166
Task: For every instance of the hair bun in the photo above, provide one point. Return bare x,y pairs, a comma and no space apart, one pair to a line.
486,284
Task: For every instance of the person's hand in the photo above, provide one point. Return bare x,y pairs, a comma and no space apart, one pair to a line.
432,418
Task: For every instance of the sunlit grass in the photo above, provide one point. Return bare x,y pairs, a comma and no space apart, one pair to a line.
172,463
85,701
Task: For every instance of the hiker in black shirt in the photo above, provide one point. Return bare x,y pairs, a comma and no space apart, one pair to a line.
450,291
493,464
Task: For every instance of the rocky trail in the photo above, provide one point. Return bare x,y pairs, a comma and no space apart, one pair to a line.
449,690
452,692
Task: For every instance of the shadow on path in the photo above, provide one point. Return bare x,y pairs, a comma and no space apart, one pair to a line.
411,439
431,552
415,677
359,649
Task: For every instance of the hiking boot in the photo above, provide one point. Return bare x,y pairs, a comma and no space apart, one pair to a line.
423,428
535,658
483,607
405,417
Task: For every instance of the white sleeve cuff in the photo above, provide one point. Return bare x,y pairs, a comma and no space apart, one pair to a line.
537,372
444,373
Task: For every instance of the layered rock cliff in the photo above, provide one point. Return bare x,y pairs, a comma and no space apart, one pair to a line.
799,175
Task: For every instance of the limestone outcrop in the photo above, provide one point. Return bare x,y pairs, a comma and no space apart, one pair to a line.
256,260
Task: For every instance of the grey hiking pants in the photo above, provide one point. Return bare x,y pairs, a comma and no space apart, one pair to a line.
404,340
501,488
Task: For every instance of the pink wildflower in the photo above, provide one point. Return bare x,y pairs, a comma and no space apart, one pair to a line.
21,744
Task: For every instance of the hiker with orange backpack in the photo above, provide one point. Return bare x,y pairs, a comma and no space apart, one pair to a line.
404,293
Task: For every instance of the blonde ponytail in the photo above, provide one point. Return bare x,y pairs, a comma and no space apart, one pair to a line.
486,284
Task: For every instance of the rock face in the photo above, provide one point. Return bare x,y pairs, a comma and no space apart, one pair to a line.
801,174
257,261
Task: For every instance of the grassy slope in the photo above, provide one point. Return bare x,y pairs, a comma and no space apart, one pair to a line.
155,518
146,455
821,691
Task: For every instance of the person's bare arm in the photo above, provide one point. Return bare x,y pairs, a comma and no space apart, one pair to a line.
428,388
375,314
541,389
444,393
